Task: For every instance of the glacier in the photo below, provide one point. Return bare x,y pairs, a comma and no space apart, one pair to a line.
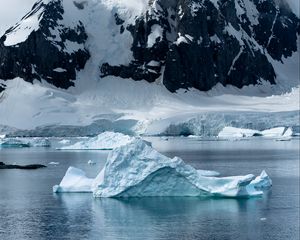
138,170
104,141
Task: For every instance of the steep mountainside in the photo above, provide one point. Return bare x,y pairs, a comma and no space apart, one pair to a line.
181,43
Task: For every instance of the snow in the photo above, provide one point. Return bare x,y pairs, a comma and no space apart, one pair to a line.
232,132
75,180
104,141
181,39
137,170
59,70
156,33
24,28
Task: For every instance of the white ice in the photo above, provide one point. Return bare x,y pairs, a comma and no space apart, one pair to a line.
24,142
232,132
137,170
104,141
75,180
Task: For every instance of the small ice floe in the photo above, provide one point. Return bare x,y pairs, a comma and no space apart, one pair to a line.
91,162
138,170
263,219
53,163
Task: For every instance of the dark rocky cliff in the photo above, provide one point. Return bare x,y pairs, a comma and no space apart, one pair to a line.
193,44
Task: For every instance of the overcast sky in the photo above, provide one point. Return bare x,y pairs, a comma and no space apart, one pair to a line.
13,10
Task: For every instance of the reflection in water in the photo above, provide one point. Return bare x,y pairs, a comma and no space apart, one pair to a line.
160,218
29,209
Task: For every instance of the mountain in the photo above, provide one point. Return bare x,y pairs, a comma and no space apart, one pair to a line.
81,67
180,43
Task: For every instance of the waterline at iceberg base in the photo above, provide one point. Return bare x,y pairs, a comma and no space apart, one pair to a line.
138,170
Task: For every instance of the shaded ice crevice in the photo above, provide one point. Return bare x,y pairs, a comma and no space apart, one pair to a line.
137,170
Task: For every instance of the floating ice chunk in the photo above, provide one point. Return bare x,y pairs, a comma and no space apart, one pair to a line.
104,141
2,136
75,180
137,170
14,143
90,162
53,163
276,132
262,181
232,132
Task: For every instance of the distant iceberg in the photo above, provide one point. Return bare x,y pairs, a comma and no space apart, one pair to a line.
137,170
104,141
14,143
24,142
232,132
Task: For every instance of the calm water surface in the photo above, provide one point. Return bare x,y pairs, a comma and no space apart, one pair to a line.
29,209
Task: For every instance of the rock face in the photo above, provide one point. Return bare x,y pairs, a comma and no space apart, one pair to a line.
182,43
201,43
46,52
26,167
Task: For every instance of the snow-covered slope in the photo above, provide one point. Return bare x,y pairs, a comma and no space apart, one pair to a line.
95,49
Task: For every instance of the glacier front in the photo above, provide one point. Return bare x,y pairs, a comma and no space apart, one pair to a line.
138,170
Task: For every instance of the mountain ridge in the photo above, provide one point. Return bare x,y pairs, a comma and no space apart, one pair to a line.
185,43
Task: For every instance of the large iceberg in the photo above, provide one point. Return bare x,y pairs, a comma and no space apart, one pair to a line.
138,170
104,141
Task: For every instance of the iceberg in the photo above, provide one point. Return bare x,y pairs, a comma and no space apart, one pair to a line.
14,143
232,132
104,141
24,142
138,170
75,180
